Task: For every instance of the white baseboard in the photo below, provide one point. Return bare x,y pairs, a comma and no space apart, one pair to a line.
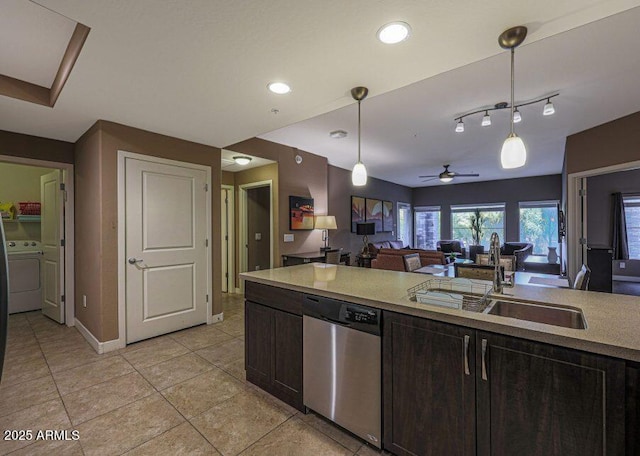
99,347
215,318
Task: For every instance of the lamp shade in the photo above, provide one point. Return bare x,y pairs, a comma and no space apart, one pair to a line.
325,222
514,153
365,228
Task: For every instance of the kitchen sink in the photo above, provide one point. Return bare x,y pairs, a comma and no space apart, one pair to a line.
540,313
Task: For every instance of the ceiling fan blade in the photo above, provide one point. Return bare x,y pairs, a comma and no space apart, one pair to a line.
467,175
427,180
433,175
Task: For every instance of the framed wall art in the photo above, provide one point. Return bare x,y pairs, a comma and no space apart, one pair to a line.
300,213
357,212
387,216
374,212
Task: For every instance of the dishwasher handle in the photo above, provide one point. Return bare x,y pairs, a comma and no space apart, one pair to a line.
335,322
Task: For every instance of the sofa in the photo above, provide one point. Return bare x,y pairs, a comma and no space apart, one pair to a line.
391,259
521,250
374,247
452,246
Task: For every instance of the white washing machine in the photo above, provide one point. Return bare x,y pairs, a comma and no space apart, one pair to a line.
25,284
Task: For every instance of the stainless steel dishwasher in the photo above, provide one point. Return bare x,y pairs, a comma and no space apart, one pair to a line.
341,365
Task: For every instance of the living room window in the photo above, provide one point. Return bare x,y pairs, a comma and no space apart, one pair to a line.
405,225
632,217
539,225
427,224
493,220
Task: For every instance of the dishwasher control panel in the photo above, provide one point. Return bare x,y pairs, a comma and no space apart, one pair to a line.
355,316
360,315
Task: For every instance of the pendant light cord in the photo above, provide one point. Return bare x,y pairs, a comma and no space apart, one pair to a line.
512,84
359,134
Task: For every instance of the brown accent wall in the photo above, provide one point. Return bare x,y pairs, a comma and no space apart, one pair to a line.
102,317
227,178
612,143
340,191
258,212
27,146
309,179
88,234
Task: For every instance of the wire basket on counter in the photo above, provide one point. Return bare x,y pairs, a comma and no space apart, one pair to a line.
458,293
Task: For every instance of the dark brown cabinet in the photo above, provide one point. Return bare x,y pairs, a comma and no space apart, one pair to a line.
456,391
429,387
538,399
273,341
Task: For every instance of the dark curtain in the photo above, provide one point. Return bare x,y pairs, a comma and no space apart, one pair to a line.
620,244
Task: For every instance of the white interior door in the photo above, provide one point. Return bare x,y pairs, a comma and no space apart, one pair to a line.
51,234
224,230
166,248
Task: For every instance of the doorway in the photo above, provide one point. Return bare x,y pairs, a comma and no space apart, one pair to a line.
48,225
256,237
164,215
577,211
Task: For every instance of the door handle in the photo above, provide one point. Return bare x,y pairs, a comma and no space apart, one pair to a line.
136,262
484,360
466,355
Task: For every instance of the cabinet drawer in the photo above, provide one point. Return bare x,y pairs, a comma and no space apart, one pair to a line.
275,297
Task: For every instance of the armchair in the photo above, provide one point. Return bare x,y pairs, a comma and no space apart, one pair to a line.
521,250
448,246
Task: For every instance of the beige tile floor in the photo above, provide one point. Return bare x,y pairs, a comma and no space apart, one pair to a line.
180,394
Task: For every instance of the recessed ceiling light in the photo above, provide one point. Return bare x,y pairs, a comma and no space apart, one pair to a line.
338,134
242,160
279,87
394,32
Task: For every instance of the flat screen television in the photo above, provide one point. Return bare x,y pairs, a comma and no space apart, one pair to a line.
4,296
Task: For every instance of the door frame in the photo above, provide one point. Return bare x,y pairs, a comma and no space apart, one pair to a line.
576,218
244,240
231,226
69,227
121,341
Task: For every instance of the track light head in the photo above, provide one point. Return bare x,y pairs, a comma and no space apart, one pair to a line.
486,119
459,126
548,108
517,117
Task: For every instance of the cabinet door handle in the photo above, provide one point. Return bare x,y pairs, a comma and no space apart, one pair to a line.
484,359
466,355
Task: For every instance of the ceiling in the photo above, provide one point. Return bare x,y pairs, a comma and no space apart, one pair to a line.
33,41
199,70
229,165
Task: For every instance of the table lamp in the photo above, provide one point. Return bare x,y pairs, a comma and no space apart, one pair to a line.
325,223
365,229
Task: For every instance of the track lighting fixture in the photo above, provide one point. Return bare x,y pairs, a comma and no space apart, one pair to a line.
459,126
548,110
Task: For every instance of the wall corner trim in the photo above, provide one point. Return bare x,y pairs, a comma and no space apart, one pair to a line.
99,347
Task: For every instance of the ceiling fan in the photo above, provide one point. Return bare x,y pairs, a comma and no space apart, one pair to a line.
447,176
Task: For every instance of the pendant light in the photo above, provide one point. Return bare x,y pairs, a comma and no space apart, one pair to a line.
359,173
514,152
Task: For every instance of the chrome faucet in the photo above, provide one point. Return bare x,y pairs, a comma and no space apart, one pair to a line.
494,259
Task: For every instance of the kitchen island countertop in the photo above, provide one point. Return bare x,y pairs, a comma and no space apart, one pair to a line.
613,320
